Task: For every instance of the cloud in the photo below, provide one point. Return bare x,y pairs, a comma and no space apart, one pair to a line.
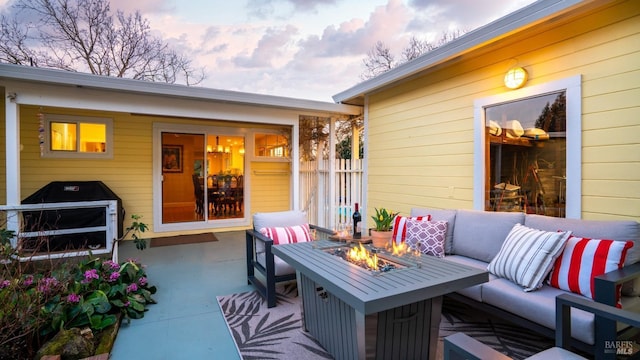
144,6
266,8
437,16
272,46
385,23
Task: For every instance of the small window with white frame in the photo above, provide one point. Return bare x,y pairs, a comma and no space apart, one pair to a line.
271,145
68,136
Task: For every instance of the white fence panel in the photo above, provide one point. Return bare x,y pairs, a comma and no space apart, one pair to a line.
323,207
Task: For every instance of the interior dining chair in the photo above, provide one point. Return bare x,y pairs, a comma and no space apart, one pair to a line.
462,346
199,195
260,257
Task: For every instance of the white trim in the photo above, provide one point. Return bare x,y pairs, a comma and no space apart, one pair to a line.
365,161
12,159
158,226
295,167
12,147
572,86
127,87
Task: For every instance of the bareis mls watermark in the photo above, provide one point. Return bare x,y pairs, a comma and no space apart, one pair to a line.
618,347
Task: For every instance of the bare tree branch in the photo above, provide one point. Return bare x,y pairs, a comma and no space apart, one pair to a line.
84,35
380,60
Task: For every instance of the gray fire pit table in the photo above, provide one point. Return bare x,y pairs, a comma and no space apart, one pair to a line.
359,314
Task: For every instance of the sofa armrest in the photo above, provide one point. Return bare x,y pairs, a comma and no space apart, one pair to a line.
565,302
462,346
606,292
606,284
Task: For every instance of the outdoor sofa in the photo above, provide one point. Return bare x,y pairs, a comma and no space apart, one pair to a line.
475,238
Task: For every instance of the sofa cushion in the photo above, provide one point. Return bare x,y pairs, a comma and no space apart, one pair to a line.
537,306
480,234
287,234
439,214
474,292
527,255
400,226
426,236
584,259
281,266
280,218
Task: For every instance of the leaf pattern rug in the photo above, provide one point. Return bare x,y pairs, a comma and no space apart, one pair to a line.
276,333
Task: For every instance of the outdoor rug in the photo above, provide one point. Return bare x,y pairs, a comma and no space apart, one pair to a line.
183,239
276,333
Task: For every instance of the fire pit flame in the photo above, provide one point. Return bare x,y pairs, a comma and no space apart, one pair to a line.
361,255
402,249
376,261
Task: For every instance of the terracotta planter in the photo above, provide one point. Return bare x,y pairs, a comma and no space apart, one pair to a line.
381,239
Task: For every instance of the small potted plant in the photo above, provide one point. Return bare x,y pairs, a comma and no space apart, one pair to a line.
381,234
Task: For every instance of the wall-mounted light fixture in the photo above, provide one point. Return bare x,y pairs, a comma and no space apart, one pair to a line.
515,78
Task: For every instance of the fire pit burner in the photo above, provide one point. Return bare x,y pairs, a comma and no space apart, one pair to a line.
373,260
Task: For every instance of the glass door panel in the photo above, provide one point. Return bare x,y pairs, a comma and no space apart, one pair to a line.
225,176
183,177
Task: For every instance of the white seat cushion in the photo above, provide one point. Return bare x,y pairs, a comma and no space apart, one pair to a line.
281,267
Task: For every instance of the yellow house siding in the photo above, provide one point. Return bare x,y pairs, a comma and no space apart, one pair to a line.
270,186
420,133
128,174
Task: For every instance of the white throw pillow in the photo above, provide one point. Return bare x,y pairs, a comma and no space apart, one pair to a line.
527,255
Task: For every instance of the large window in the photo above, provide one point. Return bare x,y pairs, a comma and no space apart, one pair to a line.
76,136
528,150
526,161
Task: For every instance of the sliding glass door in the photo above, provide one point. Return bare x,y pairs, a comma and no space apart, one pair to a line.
202,176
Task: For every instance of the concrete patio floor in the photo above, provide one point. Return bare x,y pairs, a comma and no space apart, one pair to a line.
186,323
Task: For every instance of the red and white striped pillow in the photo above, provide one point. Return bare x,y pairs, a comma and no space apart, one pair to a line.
288,234
400,226
583,259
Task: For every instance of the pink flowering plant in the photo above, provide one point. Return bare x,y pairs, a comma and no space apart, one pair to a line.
98,290
37,300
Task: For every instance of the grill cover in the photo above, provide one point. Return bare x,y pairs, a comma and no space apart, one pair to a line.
70,191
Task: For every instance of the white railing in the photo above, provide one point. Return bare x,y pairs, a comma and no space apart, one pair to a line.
14,223
328,195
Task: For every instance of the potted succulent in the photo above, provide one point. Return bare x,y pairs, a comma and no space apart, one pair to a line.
381,233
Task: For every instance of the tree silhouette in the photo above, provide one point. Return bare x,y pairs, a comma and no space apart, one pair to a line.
84,35
553,116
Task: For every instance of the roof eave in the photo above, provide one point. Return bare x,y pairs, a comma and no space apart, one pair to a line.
518,20
106,83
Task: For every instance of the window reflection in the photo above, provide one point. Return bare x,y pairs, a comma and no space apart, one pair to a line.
271,145
526,161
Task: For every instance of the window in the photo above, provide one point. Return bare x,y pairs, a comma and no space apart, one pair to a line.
271,145
526,163
76,136
528,150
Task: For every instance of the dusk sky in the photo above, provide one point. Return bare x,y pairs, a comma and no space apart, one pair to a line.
308,49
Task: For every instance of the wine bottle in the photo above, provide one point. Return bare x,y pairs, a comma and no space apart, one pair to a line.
357,222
